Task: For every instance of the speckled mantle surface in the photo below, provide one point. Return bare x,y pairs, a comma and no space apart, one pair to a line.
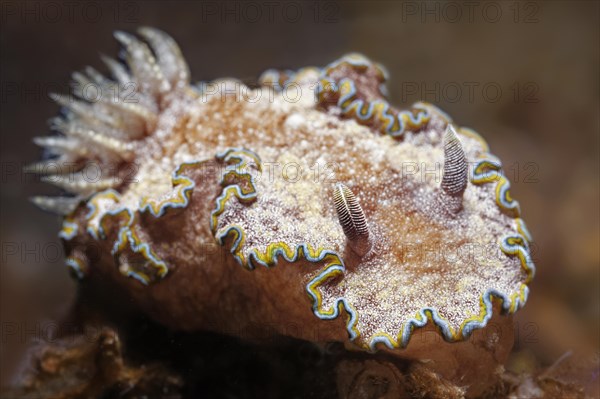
202,182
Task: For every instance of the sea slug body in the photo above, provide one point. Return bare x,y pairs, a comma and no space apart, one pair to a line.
355,221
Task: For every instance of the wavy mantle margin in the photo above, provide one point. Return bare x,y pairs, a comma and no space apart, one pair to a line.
68,230
127,238
512,245
76,266
486,171
364,112
395,124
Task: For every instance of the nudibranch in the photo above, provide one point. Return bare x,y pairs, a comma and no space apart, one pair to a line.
307,206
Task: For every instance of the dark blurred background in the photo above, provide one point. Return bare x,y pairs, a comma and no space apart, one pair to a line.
523,74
